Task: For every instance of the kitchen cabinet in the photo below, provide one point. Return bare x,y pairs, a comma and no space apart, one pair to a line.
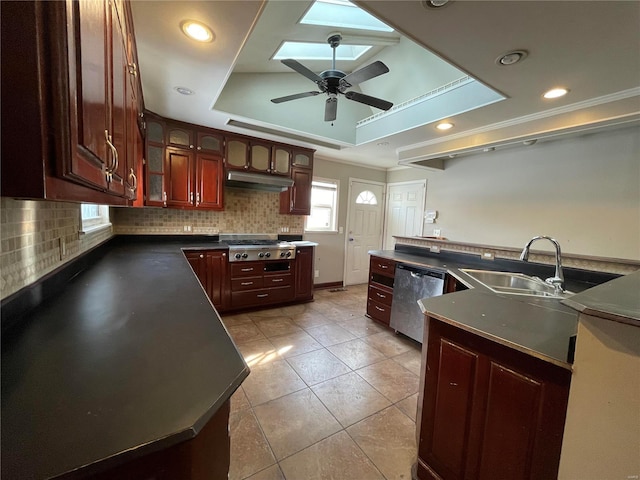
281,163
261,283
296,200
65,69
210,266
182,174
304,273
487,411
380,291
252,155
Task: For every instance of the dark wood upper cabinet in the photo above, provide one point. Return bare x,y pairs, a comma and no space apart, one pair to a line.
180,137
210,143
65,69
488,411
178,178
296,200
209,181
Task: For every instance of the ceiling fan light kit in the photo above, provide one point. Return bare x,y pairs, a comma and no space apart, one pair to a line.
335,82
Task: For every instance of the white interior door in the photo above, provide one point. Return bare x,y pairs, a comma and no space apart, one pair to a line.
404,213
364,228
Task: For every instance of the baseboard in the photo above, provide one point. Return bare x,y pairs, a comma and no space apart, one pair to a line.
322,286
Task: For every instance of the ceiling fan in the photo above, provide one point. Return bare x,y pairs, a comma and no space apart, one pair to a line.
334,82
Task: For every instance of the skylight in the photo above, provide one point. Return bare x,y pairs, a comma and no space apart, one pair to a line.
341,13
319,51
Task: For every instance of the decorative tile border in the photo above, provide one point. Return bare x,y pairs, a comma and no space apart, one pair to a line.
601,264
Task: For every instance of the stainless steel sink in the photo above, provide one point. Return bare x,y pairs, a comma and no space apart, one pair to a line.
514,283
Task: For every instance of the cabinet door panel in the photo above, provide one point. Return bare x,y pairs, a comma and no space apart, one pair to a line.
180,137
218,290
450,415
281,161
237,154
513,405
209,178
88,75
178,170
260,158
209,142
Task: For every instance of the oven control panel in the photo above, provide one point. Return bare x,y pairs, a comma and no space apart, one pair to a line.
252,255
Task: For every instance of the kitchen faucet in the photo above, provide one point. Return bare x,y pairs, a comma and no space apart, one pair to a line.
558,279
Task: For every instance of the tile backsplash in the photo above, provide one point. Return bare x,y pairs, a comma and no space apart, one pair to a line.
245,211
31,233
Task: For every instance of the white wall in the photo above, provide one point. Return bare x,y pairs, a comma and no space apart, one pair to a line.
329,259
584,191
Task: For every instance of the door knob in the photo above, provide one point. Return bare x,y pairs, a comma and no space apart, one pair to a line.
351,239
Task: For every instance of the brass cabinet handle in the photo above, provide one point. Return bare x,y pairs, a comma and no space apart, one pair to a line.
244,284
114,155
262,295
134,185
197,199
380,295
191,197
383,266
164,198
133,69
381,309
277,280
247,269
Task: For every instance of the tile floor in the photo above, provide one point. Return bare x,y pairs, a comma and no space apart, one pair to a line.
331,394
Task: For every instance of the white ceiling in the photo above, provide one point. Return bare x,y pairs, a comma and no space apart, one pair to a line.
590,47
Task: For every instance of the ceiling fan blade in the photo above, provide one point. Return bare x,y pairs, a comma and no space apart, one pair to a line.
295,96
301,69
367,100
330,109
365,73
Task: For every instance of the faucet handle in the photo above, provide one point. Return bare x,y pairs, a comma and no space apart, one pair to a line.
557,282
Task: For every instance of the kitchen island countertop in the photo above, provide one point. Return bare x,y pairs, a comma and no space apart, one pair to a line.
129,359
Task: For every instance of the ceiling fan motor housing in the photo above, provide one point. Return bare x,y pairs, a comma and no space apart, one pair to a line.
331,81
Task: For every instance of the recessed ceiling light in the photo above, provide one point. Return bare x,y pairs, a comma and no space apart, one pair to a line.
197,31
444,126
184,90
435,3
511,58
556,93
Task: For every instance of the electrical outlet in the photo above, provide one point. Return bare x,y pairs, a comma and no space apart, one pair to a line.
436,232
487,255
63,247
316,274
186,228
434,249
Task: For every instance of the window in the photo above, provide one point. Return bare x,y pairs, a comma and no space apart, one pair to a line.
324,206
341,13
93,217
367,198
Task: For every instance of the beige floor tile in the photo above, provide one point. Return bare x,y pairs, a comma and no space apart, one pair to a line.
356,354
239,401
237,319
294,422
330,334
409,406
295,344
310,319
250,451
271,473
334,458
268,312
258,352
392,380
273,327
245,332
271,380
349,398
317,366
411,360
361,326
388,438
389,343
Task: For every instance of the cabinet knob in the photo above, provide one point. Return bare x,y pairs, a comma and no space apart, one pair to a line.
201,255
199,148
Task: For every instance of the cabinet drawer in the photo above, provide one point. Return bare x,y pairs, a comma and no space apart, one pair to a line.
380,295
247,269
379,311
383,266
261,297
246,283
280,280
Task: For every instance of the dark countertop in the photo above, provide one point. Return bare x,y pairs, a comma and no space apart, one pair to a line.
130,357
618,300
538,326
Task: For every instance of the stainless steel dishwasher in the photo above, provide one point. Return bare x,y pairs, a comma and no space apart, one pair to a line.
410,285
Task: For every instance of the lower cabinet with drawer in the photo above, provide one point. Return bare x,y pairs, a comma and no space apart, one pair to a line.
261,283
380,294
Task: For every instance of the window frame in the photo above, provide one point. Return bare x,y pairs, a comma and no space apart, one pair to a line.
333,229
95,222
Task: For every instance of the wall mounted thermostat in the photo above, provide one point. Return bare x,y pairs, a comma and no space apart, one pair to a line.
430,216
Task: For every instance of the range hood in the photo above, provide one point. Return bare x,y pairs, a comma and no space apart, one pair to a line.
257,181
